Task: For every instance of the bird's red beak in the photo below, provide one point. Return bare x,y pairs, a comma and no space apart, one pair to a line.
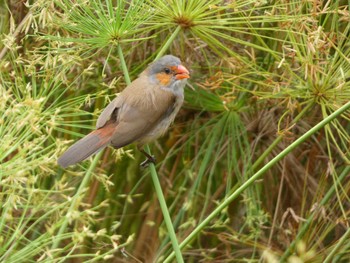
181,72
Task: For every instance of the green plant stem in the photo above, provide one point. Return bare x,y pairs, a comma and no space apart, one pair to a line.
154,174
124,67
75,201
165,211
157,186
168,43
257,175
310,219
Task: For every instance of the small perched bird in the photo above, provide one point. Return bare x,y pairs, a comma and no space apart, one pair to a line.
141,113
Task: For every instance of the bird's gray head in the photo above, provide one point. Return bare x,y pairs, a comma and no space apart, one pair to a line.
168,70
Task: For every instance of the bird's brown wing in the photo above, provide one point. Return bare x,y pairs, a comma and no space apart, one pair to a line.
108,111
136,110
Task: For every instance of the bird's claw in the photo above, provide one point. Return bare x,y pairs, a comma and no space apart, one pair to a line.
149,160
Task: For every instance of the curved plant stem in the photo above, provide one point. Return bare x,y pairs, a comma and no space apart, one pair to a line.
75,201
257,175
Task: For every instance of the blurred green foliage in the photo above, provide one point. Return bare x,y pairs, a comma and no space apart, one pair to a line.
262,74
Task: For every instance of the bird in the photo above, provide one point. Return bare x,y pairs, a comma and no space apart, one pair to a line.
140,114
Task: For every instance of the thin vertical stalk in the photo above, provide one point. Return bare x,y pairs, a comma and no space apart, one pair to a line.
257,175
165,211
152,168
168,43
124,67
157,186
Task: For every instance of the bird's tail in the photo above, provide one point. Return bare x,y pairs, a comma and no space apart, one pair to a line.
87,146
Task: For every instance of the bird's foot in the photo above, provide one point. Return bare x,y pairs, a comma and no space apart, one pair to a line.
150,159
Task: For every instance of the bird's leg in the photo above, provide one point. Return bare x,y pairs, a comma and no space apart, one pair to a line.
150,158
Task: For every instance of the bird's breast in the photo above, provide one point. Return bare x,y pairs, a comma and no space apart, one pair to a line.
164,122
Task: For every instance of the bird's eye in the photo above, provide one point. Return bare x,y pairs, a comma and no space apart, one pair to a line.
167,71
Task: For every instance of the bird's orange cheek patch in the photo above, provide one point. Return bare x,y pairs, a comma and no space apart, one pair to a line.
163,78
